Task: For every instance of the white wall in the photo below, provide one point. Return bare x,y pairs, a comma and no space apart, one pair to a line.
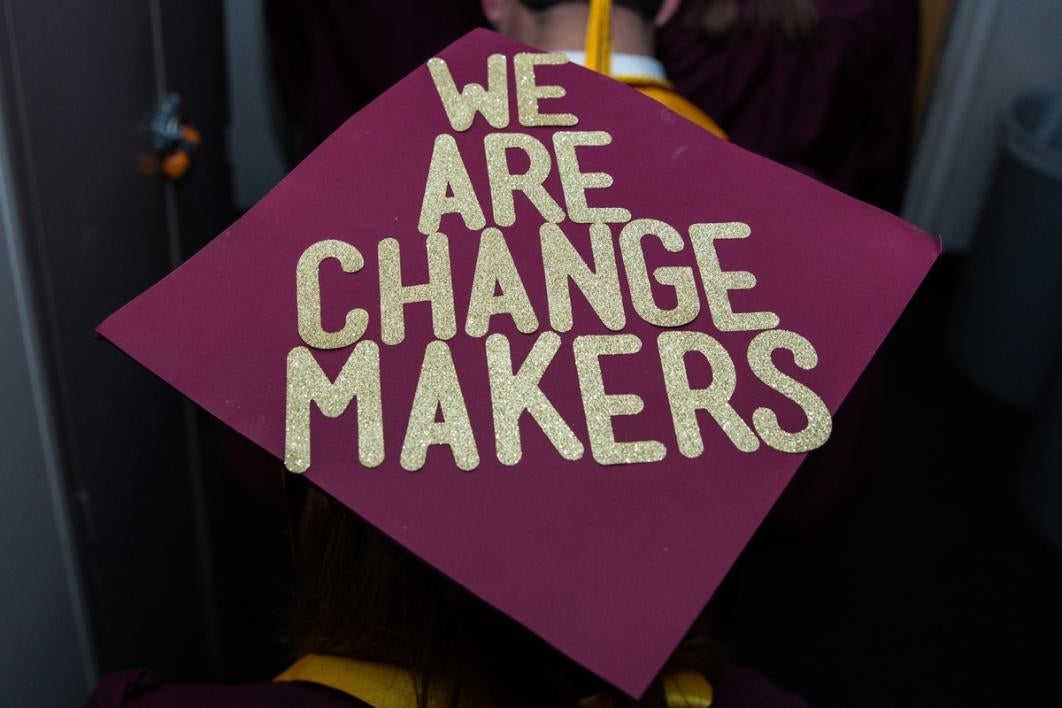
996,50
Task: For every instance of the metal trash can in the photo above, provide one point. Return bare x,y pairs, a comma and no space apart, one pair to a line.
1008,317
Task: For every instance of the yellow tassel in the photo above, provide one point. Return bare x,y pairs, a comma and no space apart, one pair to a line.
599,37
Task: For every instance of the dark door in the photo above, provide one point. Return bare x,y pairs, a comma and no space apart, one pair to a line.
81,80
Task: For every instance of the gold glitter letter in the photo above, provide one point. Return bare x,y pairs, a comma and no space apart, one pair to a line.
528,93
308,295
601,408
447,172
718,282
359,378
687,304
394,296
819,423
686,401
512,394
495,269
503,183
438,389
575,183
600,286
461,108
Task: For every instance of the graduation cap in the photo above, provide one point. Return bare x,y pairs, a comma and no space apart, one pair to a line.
558,342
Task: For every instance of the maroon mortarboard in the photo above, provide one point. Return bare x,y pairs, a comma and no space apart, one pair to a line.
558,342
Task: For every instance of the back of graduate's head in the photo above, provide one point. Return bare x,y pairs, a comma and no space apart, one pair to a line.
647,9
560,24
361,596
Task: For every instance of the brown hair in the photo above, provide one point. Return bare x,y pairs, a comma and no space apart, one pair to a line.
795,19
361,596
646,8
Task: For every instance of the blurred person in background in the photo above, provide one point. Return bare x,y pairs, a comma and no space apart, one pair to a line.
824,86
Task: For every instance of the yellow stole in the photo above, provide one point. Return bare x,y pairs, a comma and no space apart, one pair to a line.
385,686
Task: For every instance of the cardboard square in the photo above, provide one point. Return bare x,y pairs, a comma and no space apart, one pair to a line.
611,562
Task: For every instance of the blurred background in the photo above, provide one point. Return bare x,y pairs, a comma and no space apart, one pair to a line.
131,133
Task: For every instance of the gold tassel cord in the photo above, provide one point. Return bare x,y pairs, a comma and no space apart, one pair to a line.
599,37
